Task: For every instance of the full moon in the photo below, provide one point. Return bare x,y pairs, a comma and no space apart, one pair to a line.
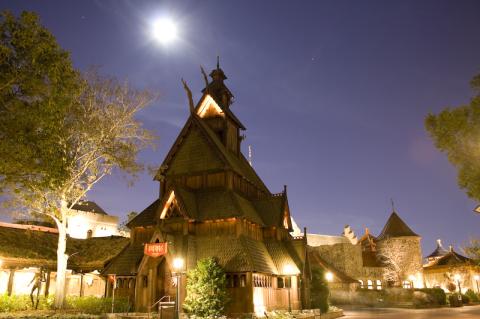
164,30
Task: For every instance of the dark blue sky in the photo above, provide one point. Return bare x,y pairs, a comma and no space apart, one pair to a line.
333,94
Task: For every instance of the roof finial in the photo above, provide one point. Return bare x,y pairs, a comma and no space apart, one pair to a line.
439,243
218,62
250,155
393,204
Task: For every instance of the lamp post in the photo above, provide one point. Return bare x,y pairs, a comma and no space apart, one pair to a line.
457,278
476,277
178,264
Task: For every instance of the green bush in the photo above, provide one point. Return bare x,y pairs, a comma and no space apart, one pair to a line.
465,299
86,305
472,295
96,305
438,295
453,300
22,302
319,290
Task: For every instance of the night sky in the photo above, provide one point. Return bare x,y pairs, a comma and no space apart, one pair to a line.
333,95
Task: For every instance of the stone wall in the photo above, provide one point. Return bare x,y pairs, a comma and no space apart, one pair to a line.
345,257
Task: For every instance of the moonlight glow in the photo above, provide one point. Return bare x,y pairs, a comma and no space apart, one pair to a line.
164,30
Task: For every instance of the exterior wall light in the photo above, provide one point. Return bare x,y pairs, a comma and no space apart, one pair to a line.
329,276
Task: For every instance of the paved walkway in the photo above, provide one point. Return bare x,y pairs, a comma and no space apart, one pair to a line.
469,312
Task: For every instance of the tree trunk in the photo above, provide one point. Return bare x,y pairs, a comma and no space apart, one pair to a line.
62,258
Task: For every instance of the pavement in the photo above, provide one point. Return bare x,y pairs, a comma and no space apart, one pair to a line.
467,312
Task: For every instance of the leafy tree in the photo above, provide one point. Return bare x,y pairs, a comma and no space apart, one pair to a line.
60,132
206,289
472,249
456,132
123,226
319,291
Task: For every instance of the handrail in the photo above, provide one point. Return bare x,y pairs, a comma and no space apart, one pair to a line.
160,300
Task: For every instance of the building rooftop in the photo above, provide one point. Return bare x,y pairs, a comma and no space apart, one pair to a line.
396,227
89,206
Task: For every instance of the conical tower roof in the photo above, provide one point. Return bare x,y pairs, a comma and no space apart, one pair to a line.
396,227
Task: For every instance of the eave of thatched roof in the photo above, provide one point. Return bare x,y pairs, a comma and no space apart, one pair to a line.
28,248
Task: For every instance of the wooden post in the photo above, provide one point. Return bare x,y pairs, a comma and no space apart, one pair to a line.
47,284
10,281
81,284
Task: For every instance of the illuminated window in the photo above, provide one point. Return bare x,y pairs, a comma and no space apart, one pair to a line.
370,284
361,284
379,284
406,284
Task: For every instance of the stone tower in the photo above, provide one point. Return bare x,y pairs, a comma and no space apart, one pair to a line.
398,248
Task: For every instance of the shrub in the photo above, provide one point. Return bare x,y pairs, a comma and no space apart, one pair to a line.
438,295
465,299
319,290
96,305
472,295
422,299
22,302
453,300
87,305
206,289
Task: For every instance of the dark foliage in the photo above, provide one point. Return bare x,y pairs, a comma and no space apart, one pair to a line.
319,291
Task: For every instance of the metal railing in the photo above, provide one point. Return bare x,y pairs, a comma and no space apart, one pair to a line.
164,302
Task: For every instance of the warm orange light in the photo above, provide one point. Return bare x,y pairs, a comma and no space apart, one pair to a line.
167,204
209,107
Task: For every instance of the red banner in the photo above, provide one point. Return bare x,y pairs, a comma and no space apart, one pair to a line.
155,249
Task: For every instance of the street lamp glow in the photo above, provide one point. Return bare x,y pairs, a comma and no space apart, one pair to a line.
476,277
329,276
164,30
457,277
178,263
1,263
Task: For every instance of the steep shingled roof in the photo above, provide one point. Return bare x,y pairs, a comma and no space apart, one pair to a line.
221,203
396,227
450,259
147,216
439,251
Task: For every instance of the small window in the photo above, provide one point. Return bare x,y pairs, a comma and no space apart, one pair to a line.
370,284
229,281
89,233
379,284
406,284
131,283
243,280
280,282
145,281
361,284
